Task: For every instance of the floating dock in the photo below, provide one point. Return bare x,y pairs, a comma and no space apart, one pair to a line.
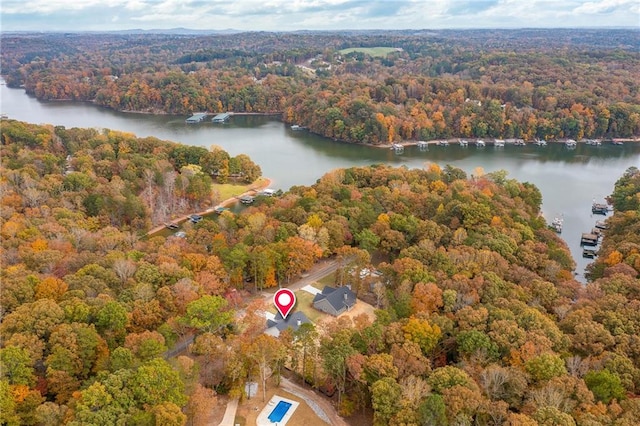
197,117
247,199
397,148
599,208
556,225
589,240
589,253
221,118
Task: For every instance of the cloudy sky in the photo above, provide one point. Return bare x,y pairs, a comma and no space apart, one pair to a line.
290,15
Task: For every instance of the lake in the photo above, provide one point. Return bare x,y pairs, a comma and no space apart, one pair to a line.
570,180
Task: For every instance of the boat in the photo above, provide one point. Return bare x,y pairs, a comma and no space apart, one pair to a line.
570,143
519,142
480,143
171,225
463,142
498,143
443,143
615,142
599,208
589,253
556,224
296,127
601,224
594,142
540,142
220,210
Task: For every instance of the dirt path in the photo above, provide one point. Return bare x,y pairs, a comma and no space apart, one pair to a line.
318,404
226,203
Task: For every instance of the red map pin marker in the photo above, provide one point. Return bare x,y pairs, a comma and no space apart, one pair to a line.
284,299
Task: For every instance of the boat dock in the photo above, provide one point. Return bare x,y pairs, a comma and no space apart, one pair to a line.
423,145
599,208
221,118
197,117
246,199
589,239
589,253
397,148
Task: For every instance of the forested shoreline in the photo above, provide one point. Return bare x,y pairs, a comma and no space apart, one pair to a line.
527,84
478,318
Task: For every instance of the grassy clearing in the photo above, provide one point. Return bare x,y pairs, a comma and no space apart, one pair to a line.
229,190
304,304
329,280
379,51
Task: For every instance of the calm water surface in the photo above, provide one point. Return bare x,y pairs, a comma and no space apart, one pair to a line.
569,179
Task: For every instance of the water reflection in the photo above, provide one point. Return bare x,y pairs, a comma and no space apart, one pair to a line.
568,179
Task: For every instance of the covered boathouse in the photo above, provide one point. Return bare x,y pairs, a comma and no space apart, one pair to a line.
221,118
197,117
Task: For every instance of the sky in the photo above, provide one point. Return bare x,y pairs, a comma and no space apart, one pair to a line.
292,15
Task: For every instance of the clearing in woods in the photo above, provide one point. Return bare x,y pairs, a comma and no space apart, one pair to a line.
379,51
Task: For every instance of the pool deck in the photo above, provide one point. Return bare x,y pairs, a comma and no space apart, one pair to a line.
263,417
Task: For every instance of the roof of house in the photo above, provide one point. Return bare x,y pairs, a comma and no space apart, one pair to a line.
293,321
337,297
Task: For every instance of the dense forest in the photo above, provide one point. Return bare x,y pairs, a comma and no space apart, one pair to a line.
478,318
525,84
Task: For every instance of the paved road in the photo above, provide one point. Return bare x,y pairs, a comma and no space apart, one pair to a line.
317,272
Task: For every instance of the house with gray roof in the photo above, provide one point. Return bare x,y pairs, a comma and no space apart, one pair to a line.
334,301
293,321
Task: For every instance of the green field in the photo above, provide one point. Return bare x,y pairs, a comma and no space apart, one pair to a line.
228,190
379,51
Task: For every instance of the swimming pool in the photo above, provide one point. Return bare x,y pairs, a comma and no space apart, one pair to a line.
279,411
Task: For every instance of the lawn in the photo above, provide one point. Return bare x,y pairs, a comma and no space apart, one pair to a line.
228,190
329,280
379,51
304,304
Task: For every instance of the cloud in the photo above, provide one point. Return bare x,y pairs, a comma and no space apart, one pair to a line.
288,15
